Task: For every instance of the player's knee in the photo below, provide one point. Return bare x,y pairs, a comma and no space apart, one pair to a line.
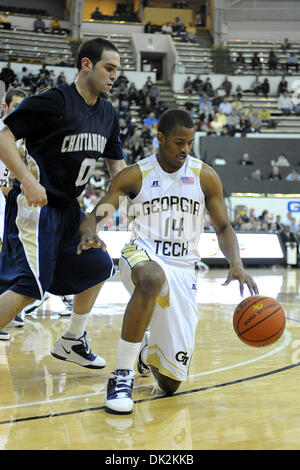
168,385
149,279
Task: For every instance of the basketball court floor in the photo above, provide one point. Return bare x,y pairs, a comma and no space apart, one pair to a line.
237,397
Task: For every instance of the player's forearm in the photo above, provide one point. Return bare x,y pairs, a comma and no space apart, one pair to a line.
229,245
10,156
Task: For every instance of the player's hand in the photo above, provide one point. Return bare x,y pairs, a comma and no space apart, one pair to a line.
88,235
35,193
238,273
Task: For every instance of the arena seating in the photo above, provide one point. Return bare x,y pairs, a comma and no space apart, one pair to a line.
263,47
27,46
123,43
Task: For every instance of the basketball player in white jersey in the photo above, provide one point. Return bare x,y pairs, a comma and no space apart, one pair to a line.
169,193
12,98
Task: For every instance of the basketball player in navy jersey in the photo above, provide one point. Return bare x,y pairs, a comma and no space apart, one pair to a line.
169,193
66,130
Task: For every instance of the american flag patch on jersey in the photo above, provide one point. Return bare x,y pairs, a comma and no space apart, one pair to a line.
187,180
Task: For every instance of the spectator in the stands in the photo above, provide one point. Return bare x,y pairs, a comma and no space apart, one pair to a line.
272,60
219,122
226,85
245,124
256,85
61,79
282,86
218,160
285,103
237,105
233,123
154,94
148,121
198,19
5,21
207,87
204,125
148,28
189,33
188,86
205,105
293,176
286,45
256,174
255,62
55,26
132,94
197,84
225,106
255,122
281,161
178,25
292,61
275,174
265,116
240,60
121,79
96,14
238,92
246,160
189,107
7,75
148,83
39,25
265,88
249,113
167,28
216,100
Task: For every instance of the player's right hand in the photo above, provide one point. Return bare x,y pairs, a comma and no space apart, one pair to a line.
35,194
88,235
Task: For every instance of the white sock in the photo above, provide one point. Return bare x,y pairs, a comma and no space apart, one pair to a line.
126,354
77,325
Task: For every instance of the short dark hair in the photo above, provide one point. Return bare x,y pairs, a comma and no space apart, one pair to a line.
174,117
14,92
93,50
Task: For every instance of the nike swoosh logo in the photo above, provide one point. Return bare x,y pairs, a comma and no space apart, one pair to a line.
68,352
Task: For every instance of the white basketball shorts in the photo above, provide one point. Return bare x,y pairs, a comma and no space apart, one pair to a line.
174,321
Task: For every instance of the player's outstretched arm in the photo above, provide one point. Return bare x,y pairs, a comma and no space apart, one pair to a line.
126,182
216,207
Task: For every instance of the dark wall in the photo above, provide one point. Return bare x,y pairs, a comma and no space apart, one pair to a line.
237,178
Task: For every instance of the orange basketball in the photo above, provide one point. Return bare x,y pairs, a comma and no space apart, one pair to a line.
259,321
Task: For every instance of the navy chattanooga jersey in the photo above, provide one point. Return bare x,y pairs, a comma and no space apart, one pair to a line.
64,138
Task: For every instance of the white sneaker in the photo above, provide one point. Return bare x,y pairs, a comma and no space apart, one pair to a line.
4,336
67,312
119,389
77,351
142,368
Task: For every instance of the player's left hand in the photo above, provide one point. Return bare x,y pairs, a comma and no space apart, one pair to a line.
88,235
238,273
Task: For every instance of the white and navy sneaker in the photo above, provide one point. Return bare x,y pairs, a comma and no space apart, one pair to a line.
119,389
67,312
142,368
5,336
77,351
18,322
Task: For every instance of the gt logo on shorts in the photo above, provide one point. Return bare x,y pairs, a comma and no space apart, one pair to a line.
182,356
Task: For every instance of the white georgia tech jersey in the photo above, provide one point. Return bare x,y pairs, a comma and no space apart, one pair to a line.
168,212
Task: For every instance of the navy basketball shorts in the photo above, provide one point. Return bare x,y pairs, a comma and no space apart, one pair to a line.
39,251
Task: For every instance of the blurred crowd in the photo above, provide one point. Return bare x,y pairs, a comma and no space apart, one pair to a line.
220,110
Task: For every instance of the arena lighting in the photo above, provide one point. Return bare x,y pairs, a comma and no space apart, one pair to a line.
247,194
255,248
287,196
